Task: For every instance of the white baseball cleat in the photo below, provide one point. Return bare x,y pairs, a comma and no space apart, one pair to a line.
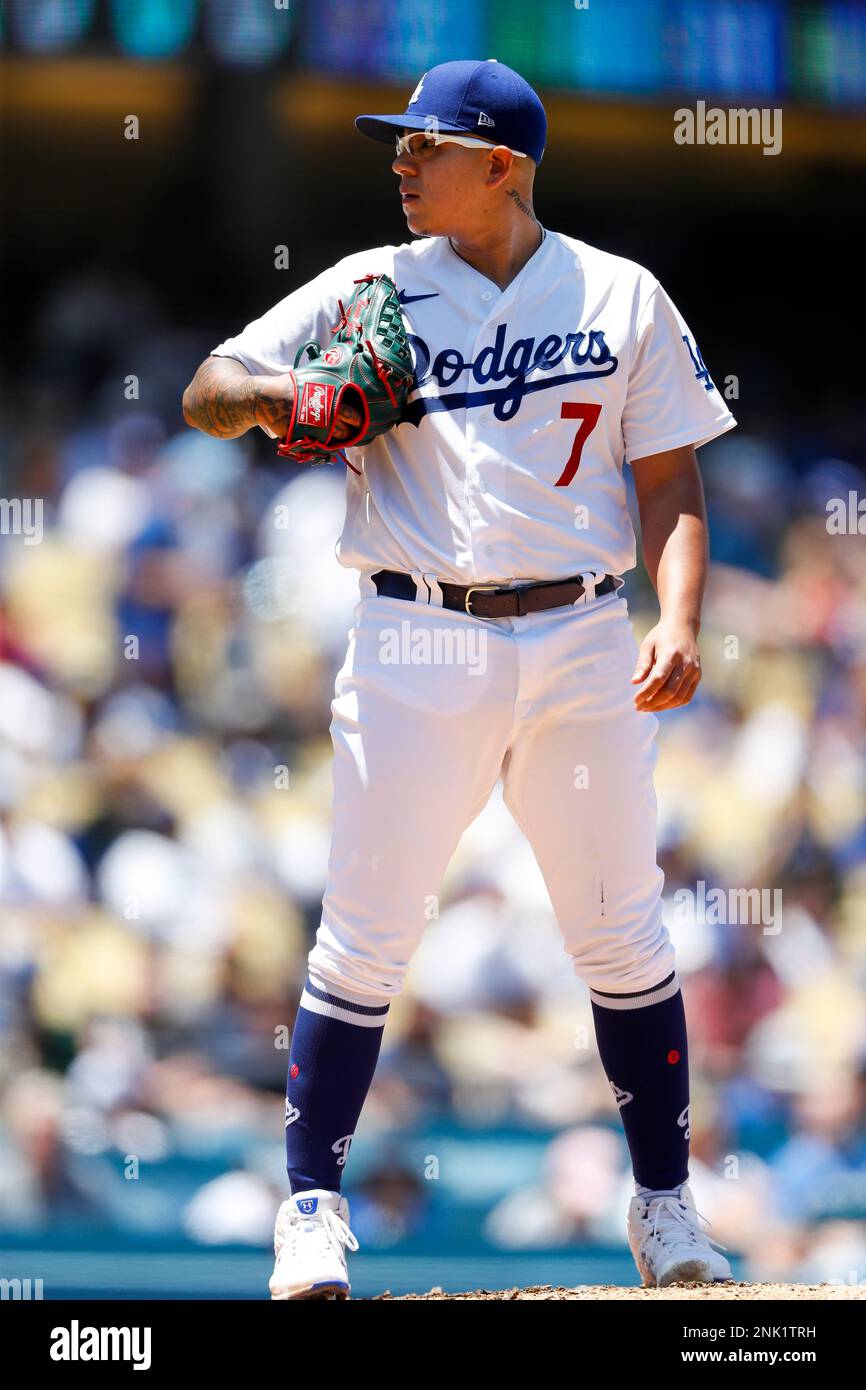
311,1231
668,1244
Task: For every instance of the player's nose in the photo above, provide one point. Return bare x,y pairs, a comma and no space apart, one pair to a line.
403,164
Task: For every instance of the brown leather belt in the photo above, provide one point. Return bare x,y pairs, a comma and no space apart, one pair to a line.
490,600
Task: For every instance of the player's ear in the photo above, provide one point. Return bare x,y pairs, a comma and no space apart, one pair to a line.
501,165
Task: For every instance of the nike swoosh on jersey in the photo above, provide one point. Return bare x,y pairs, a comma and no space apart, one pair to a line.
405,298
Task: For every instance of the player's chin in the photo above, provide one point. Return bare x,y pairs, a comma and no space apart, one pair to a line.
418,221
417,225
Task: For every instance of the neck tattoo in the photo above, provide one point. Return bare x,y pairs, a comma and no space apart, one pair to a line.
524,207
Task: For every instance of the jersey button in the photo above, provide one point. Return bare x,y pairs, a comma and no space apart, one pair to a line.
487,295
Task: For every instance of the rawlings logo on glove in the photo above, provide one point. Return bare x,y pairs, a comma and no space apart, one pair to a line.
316,402
365,370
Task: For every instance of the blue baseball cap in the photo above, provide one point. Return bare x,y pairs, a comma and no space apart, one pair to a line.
486,99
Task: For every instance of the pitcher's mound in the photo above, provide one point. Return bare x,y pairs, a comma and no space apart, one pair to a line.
729,1290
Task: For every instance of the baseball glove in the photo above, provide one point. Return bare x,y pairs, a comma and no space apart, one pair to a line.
366,365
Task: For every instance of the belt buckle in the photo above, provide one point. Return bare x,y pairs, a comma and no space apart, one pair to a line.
477,589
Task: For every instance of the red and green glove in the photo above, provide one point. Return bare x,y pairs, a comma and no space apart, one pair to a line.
365,371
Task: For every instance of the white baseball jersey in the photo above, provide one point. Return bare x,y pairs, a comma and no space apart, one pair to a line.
528,402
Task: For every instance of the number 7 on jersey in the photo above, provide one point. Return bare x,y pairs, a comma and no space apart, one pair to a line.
588,417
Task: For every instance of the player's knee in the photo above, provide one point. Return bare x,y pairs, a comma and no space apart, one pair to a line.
359,978
626,969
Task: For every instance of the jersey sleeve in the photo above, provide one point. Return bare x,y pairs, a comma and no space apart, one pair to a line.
672,400
268,345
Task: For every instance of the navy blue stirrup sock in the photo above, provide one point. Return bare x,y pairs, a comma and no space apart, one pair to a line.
643,1048
335,1047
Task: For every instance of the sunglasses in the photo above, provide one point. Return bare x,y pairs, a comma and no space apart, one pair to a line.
418,143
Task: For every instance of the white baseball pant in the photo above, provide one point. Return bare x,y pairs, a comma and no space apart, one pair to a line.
430,708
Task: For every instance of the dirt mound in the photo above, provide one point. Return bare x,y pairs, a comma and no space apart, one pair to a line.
730,1290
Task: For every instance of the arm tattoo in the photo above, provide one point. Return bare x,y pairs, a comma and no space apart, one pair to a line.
222,401
226,402
267,411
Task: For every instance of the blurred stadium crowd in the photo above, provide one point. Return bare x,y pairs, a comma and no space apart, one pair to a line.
167,657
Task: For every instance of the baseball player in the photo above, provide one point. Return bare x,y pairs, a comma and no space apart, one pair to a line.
492,520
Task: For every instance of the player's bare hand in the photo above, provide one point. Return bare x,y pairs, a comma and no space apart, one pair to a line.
670,666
